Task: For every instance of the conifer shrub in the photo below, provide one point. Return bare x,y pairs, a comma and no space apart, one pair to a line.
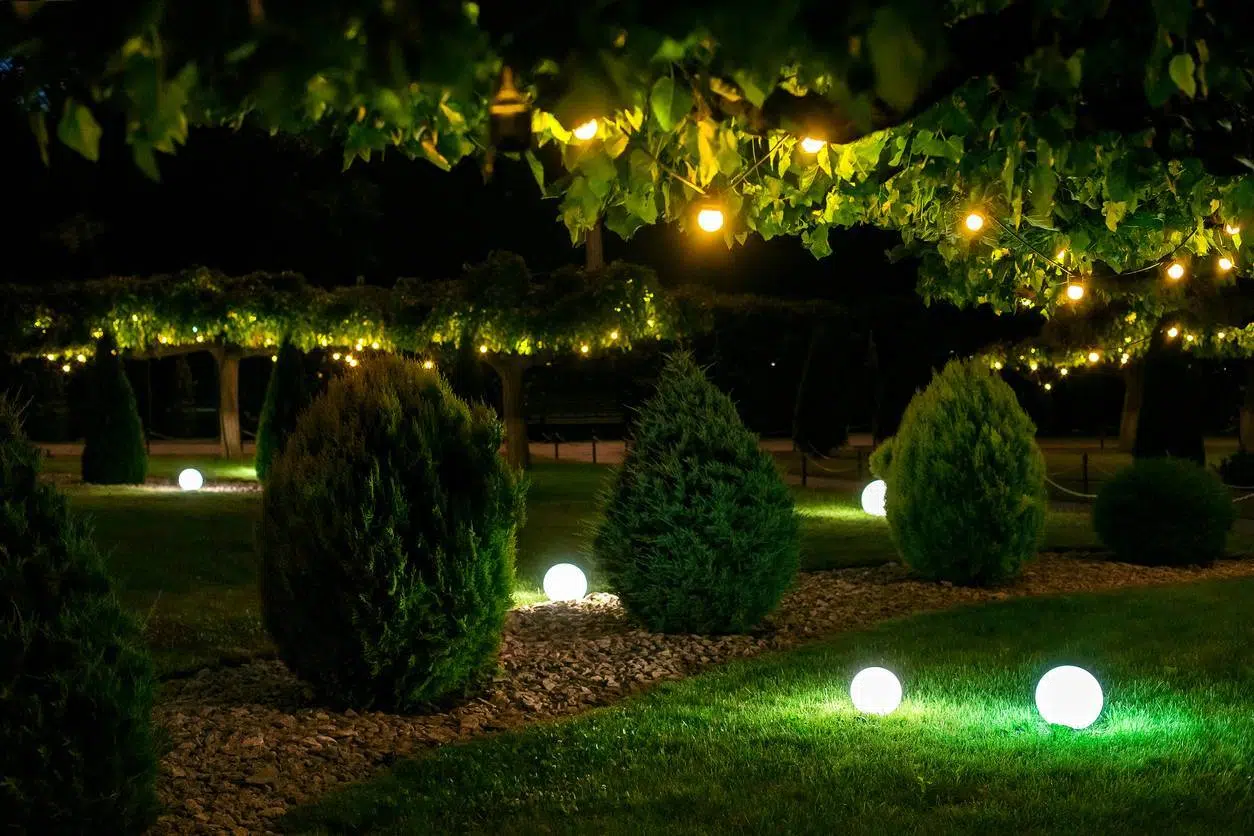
699,533
287,395
114,450
387,540
76,747
966,482
1164,512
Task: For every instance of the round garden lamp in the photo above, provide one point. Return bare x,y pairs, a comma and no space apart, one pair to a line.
565,582
873,498
191,480
875,691
1069,696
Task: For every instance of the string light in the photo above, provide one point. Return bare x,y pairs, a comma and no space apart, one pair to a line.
998,365
812,145
82,358
1075,291
1033,366
583,349
1173,332
1225,263
586,131
375,345
1222,334
483,349
1064,371
274,358
428,364
1232,229
1175,271
1189,337
974,222
51,357
1048,386
1124,358
66,368
613,335
1094,356
711,220
352,361
1061,255
335,356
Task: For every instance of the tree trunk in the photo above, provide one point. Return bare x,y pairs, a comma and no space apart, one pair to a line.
1134,391
1246,428
594,252
510,368
227,359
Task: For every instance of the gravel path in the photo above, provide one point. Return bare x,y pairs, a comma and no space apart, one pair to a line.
249,742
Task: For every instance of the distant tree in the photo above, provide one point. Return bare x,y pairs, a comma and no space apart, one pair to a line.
114,452
287,395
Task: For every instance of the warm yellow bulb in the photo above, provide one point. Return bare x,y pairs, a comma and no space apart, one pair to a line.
274,358
66,368
1225,263
1190,337
974,222
1061,255
428,364
1231,229
1123,360
998,365
583,349
1175,271
1222,334
711,220
483,349
613,335
82,358
375,345
1033,365
1173,332
335,356
1094,356
1075,292
586,131
812,145
1064,371
1048,386
52,357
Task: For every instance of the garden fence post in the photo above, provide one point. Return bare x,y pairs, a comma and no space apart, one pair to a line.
1084,469
594,448
555,450
859,464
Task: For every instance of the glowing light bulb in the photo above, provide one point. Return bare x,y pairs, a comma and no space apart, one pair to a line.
998,365
583,349
352,361
274,358
812,145
1033,366
1075,292
613,335
1124,358
66,368
1189,337
82,358
1048,386
586,131
974,222
1064,371
336,355
1175,271
1225,263
565,582
428,364
191,480
1094,356
873,496
875,691
1061,255
1222,334
1069,696
1173,332
375,345
1232,229
711,220
483,349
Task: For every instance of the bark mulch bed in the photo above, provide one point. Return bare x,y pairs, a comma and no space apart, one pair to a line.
249,741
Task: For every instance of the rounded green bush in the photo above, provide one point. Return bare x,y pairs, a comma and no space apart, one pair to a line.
114,450
966,482
76,747
1164,512
699,533
287,394
387,540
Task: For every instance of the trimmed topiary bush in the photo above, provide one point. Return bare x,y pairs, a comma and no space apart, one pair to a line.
114,452
76,749
387,540
699,533
966,482
1164,512
287,395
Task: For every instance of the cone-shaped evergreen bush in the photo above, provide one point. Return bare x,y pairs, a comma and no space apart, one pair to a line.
1164,512
76,750
287,395
114,452
387,540
699,533
966,482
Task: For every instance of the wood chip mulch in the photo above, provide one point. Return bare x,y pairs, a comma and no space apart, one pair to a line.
249,741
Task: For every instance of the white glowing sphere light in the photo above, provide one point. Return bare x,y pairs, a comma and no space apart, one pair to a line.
875,691
565,582
873,498
191,480
1069,696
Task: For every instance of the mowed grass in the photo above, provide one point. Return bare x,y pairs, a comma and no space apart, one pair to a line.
186,562
773,745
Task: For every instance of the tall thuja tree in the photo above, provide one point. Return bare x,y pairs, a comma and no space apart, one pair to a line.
114,452
287,395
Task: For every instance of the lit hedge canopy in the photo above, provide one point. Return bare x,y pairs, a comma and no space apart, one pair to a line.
500,304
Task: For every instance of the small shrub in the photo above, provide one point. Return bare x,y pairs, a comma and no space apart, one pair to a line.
114,452
387,540
699,533
76,749
1238,469
1164,512
287,395
966,482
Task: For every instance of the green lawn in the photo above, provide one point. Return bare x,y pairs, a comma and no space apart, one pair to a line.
185,561
773,745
